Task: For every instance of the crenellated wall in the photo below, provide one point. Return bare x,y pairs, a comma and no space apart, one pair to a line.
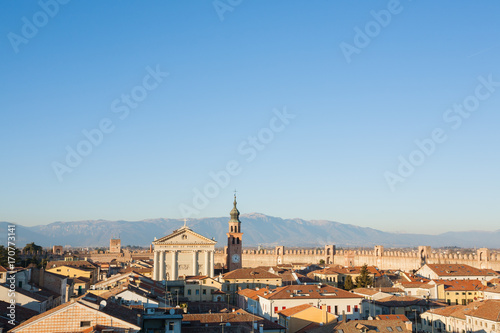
268,257
383,259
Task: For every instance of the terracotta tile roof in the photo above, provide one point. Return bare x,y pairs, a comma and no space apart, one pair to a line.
294,310
462,285
355,326
414,278
486,309
250,274
253,293
392,317
3,269
391,290
448,310
308,327
422,285
366,291
494,289
239,316
402,301
309,292
460,270
75,263
44,314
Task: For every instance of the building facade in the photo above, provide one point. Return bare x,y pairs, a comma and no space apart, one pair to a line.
182,253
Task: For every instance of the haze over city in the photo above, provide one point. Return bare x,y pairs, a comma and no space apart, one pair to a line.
381,114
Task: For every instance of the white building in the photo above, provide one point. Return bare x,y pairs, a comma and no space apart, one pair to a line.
184,252
482,316
337,301
492,292
455,272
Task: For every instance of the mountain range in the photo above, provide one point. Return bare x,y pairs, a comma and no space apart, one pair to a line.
258,229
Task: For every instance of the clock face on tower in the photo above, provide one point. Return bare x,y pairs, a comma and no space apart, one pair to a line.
235,258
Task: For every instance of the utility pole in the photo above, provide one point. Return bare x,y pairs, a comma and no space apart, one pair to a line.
415,311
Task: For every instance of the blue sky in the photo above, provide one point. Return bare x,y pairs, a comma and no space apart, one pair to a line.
232,67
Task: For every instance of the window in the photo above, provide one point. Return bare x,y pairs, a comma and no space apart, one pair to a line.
197,291
389,328
84,323
329,308
171,325
399,328
336,309
275,309
356,308
189,291
283,307
204,291
348,308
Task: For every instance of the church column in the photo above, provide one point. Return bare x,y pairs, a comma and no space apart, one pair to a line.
211,263
195,262
162,266
207,265
174,265
155,266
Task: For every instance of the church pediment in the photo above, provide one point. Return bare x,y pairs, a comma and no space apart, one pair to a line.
184,236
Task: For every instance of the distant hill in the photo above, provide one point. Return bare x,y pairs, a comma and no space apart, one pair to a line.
258,229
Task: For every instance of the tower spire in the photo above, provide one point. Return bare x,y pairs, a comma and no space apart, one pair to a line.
235,213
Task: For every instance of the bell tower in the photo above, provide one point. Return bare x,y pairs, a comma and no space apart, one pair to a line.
234,239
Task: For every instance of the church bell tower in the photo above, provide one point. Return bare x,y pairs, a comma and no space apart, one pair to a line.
234,239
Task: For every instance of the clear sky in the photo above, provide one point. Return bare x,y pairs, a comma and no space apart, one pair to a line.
312,107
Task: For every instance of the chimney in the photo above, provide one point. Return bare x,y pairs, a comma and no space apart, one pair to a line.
324,314
41,279
409,325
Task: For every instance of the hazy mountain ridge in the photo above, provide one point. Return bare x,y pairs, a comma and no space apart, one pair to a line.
258,229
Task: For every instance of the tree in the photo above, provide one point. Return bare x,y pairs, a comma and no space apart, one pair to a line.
348,285
4,256
364,279
32,247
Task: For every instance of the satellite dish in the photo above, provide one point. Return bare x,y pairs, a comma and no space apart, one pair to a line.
172,311
103,304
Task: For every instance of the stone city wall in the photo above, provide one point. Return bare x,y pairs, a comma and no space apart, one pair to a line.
387,259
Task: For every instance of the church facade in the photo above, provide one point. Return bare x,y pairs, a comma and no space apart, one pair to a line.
183,252
187,253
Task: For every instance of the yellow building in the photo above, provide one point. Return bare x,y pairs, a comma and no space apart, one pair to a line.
461,292
300,316
200,288
75,272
